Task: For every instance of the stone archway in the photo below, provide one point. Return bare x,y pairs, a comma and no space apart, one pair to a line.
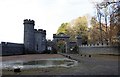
61,46
62,42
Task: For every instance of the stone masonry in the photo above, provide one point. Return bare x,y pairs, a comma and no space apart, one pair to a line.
34,41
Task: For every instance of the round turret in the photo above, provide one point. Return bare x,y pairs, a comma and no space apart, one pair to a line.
29,35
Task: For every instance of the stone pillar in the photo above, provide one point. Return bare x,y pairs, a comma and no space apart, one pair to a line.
79,42
67,45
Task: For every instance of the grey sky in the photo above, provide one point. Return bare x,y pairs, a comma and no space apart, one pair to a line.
48,15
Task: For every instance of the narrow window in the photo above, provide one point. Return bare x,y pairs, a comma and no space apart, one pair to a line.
37,46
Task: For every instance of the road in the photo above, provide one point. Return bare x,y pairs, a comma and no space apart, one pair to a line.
94,65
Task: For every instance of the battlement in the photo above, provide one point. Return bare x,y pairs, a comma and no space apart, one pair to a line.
3,43
35,30
44,31
29,21
60,35
54,35
40,31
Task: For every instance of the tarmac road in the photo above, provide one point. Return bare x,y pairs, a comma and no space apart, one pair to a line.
94,65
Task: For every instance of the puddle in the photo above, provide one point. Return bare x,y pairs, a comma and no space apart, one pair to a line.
42,63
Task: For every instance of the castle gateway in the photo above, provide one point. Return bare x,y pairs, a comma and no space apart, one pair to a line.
35,42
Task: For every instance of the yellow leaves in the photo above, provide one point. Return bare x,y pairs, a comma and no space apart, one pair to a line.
76,27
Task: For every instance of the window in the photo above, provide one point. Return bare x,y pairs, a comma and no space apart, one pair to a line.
37,46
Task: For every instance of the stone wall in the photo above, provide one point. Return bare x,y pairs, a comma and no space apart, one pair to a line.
12,48
0,49
103,49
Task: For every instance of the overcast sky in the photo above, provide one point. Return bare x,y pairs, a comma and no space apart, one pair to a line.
48,15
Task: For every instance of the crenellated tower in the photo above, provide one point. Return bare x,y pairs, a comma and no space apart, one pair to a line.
29,36
40,40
